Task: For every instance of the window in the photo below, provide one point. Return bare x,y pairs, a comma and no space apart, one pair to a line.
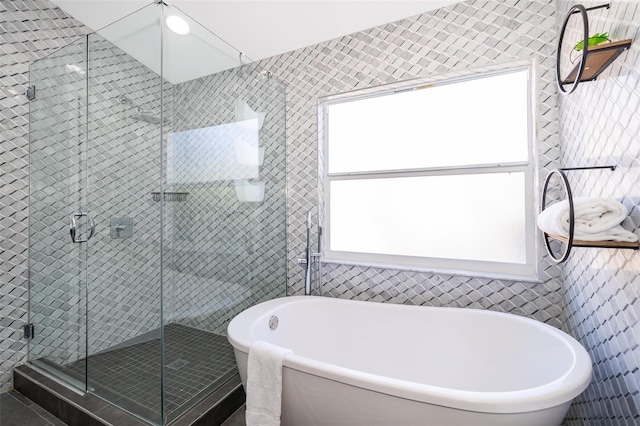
208,154
436,177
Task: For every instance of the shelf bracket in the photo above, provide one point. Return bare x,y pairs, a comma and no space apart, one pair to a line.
568,169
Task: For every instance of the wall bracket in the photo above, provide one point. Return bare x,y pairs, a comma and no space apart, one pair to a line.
29,331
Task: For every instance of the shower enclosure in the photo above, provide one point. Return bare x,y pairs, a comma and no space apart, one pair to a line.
157,209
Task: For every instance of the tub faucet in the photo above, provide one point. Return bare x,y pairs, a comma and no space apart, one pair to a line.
308,257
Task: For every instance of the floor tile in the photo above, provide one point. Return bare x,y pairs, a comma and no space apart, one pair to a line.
237,418
14,412
128,375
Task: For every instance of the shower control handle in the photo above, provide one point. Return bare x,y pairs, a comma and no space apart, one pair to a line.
92,227
73,226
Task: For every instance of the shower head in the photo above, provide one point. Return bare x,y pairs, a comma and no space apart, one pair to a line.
145,115
149,117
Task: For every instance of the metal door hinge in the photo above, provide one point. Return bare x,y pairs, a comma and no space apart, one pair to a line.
31,93
29,331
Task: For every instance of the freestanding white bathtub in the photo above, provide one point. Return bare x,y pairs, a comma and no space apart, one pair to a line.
366,363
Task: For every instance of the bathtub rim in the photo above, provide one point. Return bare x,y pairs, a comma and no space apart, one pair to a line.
559,391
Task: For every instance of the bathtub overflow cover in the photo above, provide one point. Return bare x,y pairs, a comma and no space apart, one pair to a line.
273,322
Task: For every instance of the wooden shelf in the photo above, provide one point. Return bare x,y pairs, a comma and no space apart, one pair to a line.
598,59
575,243
598,244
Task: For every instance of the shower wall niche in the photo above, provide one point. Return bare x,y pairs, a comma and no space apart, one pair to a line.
175,183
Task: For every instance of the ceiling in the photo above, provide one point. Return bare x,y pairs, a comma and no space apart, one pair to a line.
258,28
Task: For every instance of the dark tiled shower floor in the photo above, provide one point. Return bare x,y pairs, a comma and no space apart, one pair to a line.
196,362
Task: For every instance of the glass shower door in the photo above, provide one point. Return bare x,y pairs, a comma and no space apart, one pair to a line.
57,290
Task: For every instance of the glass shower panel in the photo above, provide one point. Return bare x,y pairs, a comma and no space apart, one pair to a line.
124,256
224,211
57,297
169,156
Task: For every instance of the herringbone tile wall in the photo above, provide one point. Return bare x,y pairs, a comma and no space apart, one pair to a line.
469,35
600,125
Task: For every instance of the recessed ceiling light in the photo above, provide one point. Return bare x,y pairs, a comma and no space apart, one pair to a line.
177,25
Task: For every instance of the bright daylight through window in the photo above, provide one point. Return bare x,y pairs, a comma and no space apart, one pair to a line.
432,177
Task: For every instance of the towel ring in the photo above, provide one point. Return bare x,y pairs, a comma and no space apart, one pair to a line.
578,8
565,254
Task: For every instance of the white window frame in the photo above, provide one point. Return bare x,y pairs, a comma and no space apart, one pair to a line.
528,271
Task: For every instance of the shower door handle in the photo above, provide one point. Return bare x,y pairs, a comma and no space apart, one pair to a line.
73,227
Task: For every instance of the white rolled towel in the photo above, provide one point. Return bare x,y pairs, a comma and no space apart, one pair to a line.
596,219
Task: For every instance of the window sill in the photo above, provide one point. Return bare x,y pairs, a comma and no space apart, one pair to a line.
441,271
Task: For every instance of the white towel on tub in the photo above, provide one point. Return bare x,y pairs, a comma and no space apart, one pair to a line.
596,219
264,384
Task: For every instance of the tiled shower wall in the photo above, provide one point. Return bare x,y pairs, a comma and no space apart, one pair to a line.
224,254
123,273
56,301
122,292
469,35
123,163
215,263
600,125
29,31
